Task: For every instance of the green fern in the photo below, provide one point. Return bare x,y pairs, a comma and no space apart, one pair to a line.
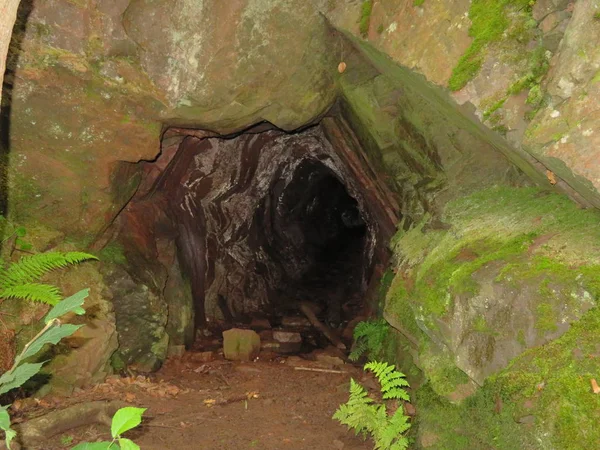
18,279
369,337
364,416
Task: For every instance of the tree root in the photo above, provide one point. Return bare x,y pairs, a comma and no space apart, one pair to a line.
34,432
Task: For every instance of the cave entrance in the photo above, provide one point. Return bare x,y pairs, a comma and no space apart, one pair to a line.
264,223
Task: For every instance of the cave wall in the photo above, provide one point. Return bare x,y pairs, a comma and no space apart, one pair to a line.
226,203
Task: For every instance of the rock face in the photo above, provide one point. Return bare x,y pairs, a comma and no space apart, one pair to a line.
512,281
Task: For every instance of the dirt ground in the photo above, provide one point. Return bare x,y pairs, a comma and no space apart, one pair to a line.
268,404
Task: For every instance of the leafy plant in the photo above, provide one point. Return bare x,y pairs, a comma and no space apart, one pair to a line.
124,420
18,280
363,415
369,337
52,333
13,231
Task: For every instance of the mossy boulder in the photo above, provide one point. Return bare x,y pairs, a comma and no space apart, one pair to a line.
505,297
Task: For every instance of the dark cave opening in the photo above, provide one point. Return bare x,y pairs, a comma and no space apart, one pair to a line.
319,237
256,225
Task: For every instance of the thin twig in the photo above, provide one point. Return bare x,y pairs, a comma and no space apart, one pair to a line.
314,369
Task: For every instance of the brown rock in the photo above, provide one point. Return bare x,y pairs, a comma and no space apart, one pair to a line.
287,336
260,324
295,322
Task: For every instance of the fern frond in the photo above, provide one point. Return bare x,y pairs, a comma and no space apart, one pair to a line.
359,413
392,382
369,337
31,268
359,348
35,292
391,435
364,416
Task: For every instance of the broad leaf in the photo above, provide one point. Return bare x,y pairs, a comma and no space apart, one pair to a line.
106,445
4,418
126,419
17,377
52,336
70,304
127,444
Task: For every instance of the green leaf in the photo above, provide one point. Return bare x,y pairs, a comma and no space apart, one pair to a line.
9,433
4,418
69,304
127,444
20,231
17,377
25,246
106,445
126,419
52,336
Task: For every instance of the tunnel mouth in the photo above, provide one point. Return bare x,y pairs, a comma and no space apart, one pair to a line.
264,225
327,259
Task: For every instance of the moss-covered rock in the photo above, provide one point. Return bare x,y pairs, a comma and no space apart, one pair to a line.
506,295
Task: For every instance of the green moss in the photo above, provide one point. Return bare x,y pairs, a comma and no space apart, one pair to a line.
521,338
384,285
489,20
481,326
113,253
545,318
557,377
418,2
496,106
365,17
475,423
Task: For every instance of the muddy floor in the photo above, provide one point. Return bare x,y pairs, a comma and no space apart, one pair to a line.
201,401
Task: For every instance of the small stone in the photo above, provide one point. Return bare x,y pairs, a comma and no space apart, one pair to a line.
287,336
240,345
339,445
260,324
295,322
409,409
328,360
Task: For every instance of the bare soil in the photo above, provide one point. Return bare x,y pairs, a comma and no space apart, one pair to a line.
268,404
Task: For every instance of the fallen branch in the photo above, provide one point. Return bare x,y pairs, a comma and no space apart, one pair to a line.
38,430
312,318
314,369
